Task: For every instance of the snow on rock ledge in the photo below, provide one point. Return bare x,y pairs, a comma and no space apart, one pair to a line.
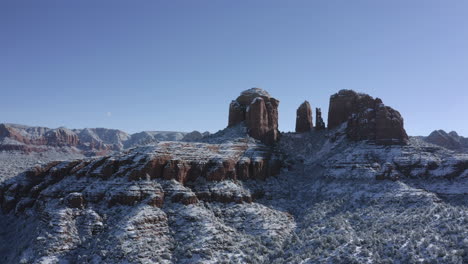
126,178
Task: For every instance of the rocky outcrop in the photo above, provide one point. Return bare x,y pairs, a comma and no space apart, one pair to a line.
304,121
143,201
319,124
11,133
342,106
126,176
61,137
17,135
101,139
259,112
389,126
195,136
367,118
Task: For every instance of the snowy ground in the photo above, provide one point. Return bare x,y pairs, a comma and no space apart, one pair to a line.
326,206
345,216
14,162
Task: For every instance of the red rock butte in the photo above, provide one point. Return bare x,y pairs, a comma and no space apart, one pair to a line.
366,118
259,112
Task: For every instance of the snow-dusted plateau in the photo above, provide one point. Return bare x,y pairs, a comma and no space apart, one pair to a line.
357,191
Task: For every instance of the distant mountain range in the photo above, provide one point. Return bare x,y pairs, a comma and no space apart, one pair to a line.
101,141
449,140
89,141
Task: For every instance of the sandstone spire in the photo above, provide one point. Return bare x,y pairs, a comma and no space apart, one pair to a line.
304,118
319,124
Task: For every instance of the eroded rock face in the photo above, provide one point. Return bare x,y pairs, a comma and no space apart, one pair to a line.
62,137
389,126
8,132
319,124
367,118
145,204
127,176
15,138
304,121
259,111
342,106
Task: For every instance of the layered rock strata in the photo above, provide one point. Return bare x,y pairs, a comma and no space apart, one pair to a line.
127,178
168,203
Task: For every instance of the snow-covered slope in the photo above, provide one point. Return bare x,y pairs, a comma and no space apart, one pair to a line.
217,201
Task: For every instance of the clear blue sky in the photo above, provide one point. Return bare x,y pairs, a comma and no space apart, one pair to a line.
176,65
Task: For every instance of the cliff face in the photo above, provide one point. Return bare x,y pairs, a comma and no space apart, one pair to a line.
259,111
61,137
367,118
141,203
319,124
182,162
342,106
304,121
